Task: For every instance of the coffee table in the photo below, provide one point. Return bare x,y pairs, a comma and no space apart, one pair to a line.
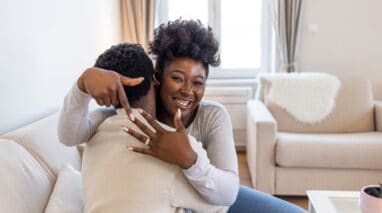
333,201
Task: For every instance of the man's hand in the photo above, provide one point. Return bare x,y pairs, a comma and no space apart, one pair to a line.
106,87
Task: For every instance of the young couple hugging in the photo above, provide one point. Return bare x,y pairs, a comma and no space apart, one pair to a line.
133,152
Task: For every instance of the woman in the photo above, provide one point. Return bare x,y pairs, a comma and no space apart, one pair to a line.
183,51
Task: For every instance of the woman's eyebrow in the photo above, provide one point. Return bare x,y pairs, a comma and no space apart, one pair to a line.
200,76
178,71
182,72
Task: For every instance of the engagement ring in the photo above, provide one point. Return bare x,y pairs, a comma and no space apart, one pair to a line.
147,142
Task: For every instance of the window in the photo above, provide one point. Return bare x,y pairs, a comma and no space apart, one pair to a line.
241,26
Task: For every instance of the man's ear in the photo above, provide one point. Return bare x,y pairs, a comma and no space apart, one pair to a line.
156,79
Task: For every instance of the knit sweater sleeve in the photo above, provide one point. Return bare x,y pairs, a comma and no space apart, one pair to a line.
76,124
215,173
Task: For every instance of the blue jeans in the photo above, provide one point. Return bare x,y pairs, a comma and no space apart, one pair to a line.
250,200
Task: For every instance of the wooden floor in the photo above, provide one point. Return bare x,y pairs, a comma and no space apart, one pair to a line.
245,179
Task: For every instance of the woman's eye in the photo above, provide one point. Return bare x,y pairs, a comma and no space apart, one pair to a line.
176,78
198,83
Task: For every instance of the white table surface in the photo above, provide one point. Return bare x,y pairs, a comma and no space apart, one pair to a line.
333,201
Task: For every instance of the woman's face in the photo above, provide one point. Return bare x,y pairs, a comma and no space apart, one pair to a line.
182,86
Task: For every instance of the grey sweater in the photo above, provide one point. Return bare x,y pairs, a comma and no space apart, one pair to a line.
215,177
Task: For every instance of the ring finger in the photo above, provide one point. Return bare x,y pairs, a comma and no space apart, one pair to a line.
140,137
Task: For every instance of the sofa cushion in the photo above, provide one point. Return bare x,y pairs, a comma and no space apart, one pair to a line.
41,141
67,193
24,184
353,111
341,151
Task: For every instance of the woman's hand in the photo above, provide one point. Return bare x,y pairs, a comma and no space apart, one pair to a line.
171,147
106,86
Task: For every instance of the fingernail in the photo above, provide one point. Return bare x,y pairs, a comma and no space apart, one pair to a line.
140,111
141,79
130,148
179,112
125,129
132,118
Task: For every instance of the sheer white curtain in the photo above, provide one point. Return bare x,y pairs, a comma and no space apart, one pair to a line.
287,17
138,21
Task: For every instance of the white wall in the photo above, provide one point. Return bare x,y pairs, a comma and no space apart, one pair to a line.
348,40
44,46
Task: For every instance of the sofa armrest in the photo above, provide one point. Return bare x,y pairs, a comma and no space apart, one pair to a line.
261,140
378,115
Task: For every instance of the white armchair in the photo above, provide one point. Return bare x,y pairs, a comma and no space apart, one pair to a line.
341,152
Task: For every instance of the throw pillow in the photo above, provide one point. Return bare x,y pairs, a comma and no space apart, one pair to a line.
67,193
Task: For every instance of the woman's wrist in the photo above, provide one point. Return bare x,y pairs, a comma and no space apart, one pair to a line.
189,161
80,82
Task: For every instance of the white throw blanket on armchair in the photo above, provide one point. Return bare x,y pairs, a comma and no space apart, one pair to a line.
308,97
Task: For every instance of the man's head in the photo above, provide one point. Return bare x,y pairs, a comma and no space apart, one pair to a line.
129,60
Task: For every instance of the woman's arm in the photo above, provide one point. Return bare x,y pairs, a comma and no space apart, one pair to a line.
76,124
215,176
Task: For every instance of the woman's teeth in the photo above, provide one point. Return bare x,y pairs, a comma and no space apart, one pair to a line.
182,103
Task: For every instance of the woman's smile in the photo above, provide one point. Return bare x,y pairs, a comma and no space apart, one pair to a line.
182,103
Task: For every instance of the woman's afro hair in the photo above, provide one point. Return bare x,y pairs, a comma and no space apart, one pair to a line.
184,38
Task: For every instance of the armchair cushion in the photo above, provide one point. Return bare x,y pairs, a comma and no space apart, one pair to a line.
353,111
362,150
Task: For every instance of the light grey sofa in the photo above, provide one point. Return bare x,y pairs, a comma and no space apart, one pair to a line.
342,152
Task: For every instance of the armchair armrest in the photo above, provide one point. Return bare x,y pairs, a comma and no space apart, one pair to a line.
261,140
378,115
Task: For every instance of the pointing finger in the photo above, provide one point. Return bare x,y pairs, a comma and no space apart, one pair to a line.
123,100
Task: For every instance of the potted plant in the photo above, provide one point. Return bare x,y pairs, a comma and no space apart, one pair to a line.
370,199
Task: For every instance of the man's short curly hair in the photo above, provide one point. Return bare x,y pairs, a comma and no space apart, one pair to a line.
129,60
184,38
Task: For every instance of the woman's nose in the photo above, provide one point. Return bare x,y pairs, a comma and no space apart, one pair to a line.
186,89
